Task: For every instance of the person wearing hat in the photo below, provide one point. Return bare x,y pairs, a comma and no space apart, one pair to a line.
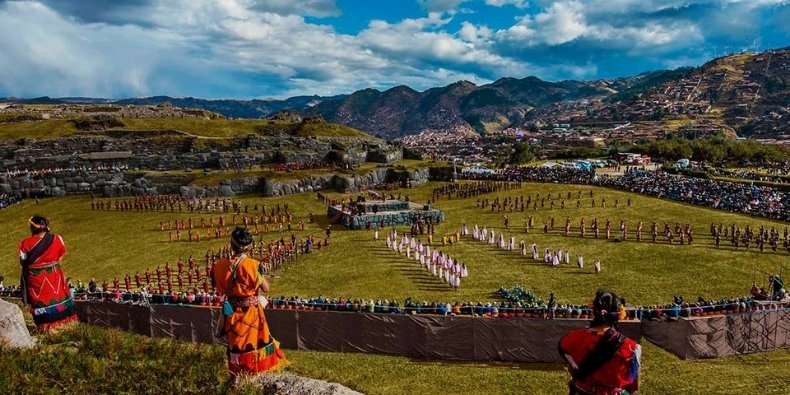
43,282
251,347
602,360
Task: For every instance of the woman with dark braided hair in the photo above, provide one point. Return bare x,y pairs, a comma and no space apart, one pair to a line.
44,286
601,360
251,348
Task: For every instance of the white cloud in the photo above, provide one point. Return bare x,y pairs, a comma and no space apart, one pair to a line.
441,6
474,34
564,22
650,36
318,8
560,23
248,48
502,3
408,41
65,59
235,44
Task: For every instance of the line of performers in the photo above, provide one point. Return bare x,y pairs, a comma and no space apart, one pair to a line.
551,258
245,220
471,189
440,265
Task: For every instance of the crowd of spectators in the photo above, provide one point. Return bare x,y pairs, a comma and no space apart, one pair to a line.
556,174
309,165
504,309
781,178
51,171
742,198
735,197
9,199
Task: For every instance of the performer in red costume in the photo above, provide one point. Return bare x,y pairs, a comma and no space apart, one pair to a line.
43,282
601,360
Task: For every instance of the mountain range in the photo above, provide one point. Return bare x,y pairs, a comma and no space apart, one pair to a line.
746,92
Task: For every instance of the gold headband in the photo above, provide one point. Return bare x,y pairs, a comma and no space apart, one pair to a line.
40,226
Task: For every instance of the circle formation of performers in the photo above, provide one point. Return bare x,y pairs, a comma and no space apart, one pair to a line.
188,278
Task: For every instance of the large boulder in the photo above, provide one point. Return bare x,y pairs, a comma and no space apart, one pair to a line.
289,384
226,190
13,330
58,192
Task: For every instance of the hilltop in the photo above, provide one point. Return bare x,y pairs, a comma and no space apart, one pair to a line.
47,121
746,94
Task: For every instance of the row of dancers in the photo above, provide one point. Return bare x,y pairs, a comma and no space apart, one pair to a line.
439,264
554,258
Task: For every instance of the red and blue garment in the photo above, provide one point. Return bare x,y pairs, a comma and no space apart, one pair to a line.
45,288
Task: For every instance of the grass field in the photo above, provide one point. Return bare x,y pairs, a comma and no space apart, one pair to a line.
108,244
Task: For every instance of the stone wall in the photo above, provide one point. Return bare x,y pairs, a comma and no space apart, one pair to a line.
111,184
177,151
71,183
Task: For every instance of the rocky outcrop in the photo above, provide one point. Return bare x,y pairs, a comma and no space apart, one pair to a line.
281,384
13,330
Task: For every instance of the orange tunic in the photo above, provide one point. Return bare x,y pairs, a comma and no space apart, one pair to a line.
251,348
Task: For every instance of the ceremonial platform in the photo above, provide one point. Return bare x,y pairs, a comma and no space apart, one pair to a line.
382,213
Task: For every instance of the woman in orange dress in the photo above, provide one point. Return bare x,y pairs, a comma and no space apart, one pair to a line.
251,348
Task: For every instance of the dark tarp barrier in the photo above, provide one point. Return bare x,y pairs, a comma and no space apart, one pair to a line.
441,338
109,315
448,338
670,336
285,332
140,320
182,323
720,336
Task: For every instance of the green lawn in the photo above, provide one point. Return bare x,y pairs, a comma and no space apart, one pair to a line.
108,244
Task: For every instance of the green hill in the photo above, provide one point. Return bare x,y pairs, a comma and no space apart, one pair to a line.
201,127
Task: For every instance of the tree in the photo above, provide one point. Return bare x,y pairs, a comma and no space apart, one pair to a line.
522,153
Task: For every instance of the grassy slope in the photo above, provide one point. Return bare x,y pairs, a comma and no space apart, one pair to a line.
224,128
84,359
108,244
48,129
214,128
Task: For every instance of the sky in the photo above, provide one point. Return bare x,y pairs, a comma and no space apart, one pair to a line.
249,49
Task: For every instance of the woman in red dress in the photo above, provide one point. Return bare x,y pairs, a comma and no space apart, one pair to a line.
601,360
44,286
